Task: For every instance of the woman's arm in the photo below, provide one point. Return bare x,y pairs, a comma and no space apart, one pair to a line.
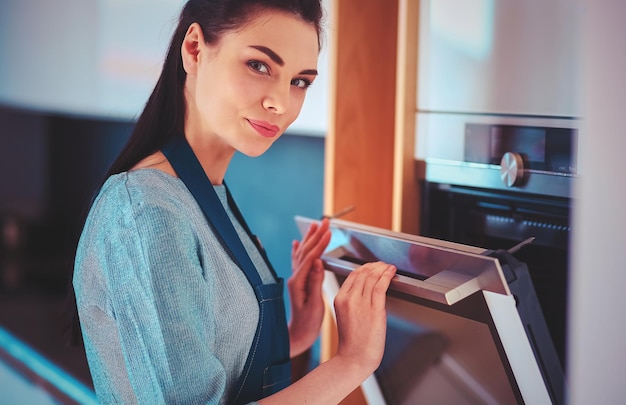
148,322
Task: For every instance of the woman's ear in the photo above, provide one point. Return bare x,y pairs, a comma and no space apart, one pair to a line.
190,49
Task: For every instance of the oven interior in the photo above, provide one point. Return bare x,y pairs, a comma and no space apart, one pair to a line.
495,219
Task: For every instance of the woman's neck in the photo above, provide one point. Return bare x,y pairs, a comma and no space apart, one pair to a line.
213,154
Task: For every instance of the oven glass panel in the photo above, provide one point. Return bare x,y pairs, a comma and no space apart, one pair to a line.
446,355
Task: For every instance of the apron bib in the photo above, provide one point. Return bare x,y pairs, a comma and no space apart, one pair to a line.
268,367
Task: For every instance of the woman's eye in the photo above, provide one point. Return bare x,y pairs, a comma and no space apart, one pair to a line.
301,83
259,66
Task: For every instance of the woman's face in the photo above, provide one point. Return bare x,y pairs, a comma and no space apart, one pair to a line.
245,90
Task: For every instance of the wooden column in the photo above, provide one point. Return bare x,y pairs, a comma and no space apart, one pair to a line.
360,142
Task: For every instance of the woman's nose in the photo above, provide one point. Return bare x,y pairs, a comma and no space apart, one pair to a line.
277,99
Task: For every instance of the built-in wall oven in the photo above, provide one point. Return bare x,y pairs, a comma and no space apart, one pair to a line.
513,184
496,121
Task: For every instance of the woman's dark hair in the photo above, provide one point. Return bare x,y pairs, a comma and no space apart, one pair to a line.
164,113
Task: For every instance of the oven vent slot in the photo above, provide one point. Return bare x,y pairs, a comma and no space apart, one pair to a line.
548,231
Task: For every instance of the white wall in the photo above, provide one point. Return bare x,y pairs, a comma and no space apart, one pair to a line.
504,57
83,57
597,357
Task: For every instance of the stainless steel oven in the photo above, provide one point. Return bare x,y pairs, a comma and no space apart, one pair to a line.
498,110
512,183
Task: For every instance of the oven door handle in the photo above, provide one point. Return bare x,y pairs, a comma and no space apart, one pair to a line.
446,287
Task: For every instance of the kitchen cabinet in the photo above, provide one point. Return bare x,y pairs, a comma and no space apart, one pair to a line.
370,142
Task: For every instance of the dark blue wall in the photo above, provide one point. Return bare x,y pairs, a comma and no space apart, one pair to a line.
271,189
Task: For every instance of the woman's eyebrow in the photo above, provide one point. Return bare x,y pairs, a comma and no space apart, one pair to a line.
271,54
309,72
278,60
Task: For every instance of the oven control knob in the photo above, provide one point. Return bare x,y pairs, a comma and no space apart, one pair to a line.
512,169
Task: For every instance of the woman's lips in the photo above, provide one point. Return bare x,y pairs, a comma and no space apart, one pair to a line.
264,128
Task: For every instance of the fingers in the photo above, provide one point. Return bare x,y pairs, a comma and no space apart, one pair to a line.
305,283
312,245
381,286
370,280
295,245
316,278
316,233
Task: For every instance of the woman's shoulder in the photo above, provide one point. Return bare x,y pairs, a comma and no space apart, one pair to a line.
141,189
147,180
140,204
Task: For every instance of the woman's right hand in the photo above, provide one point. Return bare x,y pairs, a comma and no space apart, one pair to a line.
361,315
362,328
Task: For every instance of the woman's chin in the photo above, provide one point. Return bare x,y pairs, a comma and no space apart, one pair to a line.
256,149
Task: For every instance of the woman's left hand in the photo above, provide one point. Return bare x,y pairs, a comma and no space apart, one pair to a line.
305,287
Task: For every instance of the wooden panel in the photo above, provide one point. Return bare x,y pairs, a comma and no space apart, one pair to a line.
360,142
405,212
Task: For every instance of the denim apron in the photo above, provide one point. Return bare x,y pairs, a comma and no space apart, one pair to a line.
268,367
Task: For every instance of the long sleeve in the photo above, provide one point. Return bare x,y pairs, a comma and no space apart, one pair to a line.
155,292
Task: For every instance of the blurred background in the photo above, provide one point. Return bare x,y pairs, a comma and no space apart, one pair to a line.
74,74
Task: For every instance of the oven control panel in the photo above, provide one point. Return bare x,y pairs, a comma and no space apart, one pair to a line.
528,147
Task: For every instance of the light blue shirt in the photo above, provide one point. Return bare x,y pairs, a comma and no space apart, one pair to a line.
166,315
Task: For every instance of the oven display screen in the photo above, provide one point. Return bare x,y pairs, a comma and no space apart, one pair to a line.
528,141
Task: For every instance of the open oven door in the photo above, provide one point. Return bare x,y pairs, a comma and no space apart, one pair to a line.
460,328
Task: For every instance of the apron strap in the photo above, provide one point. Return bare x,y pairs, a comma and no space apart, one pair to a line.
190,171
257,242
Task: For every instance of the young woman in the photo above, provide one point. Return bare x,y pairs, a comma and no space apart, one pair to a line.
176,299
